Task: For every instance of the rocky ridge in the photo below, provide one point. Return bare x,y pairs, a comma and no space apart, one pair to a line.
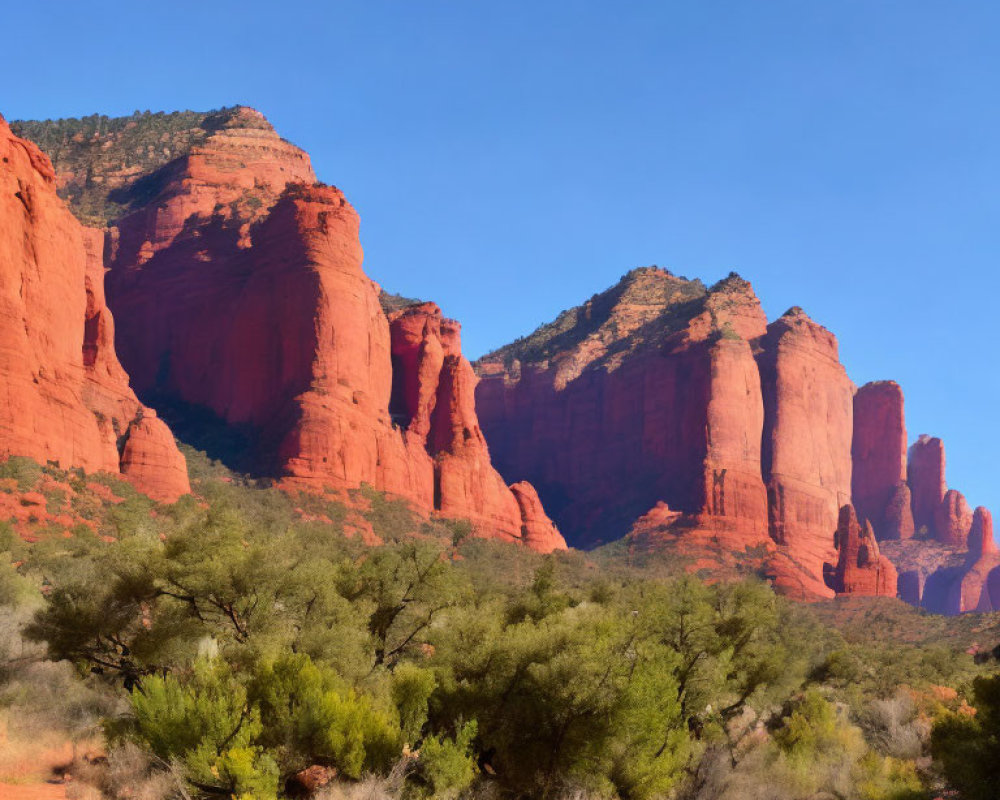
661,409
244,311
675,415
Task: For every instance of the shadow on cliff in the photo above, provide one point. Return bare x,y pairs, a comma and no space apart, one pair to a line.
238,447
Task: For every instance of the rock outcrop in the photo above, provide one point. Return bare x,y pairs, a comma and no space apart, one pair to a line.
878,482
925,476
807,435
660,391
861,568
537,530
241,302
953,519
978,587
648,393
65,398
660,409
672,412
899,514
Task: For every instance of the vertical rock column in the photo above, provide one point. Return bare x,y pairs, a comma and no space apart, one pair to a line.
808,425
878,482
925,476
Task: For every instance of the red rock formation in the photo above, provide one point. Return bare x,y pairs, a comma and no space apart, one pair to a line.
879,458
240,292
235,175
807,436
64,396
150,458
861,568
418,356
925,476
953,519
899,514
981,541
734,489
537,531
971,591
443,403
648,393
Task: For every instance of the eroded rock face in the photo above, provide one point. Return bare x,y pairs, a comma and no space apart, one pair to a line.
808,425
150,458
438,404
242,302
971,591
659,391
648,393
899,514
953,519
861,568
538,531
64,397
879,458
659,409
925,475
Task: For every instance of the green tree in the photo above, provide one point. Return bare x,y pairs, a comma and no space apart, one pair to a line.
968,747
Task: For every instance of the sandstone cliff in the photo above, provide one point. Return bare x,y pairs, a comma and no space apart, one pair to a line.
660,409
674,414
244,311
878,450
807,438
65,397
650,392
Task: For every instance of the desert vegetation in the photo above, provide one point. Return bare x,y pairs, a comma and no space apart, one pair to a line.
230,645
110,162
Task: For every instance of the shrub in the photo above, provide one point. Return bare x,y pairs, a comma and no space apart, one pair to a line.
23,470
207,725
448,764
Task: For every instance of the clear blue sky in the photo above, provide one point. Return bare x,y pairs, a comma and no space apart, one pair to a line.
509,159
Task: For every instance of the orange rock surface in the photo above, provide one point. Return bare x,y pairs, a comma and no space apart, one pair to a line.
241,298
976,588
659,409
538,531
861,569
65,397
654,397
953,519
807,436
879,459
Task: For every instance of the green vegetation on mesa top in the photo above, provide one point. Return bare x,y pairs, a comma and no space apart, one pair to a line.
105,158
395,302
652,295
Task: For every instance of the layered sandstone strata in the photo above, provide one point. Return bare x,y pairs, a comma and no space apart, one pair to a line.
241,300
648,393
